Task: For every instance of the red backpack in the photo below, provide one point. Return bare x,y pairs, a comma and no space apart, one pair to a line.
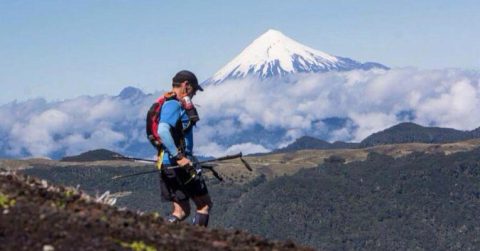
153,117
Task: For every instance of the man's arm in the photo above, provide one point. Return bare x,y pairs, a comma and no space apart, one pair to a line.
170,114
167,139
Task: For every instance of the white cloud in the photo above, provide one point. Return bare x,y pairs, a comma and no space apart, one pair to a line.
371,99
369,123
456,107
216,150
246,148
210,149
100,138
38,128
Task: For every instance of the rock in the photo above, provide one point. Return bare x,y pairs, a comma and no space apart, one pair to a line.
48,248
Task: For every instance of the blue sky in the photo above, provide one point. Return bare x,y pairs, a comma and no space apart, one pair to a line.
63,49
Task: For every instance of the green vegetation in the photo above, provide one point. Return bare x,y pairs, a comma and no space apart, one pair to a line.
137,246
5,201
417,202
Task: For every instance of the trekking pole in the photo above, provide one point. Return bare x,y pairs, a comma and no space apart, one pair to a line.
239,155
120,157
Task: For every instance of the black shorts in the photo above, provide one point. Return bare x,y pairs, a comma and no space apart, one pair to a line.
177,185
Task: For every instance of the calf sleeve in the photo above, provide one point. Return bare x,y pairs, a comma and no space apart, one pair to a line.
200,219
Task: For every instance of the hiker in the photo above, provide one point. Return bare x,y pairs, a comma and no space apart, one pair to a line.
175,130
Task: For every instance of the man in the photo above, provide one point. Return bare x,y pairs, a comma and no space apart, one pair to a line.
181,184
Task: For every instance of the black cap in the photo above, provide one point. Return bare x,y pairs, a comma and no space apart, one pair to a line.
187,76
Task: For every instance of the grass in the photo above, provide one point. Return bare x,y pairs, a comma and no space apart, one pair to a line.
5,201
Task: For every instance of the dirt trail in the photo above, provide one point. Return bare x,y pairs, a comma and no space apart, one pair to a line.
35,215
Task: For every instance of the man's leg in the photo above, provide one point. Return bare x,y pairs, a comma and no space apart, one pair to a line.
204,204
181,210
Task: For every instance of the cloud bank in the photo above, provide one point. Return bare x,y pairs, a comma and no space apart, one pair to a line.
373,100
238,115
39,128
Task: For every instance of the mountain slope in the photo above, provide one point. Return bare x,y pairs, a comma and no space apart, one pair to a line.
274,54
38,216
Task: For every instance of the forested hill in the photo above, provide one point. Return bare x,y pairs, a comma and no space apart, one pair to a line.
93,155
418,202
307,142
401,133
402,201
411,132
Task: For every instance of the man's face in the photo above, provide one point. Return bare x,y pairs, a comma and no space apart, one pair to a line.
190,90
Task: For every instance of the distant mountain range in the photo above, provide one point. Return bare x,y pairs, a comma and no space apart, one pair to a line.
411,132
406,132
133,94
401,133
307,142
273,54
94,155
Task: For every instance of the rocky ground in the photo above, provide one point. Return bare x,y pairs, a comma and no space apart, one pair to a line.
35,215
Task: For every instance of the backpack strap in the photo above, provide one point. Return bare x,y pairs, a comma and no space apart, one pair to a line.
160,159
170,96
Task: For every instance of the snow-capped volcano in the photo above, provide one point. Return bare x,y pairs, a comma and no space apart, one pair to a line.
274,54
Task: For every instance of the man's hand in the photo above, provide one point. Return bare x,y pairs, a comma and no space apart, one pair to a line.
184,162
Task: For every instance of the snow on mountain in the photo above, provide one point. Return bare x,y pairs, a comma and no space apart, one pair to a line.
274,54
